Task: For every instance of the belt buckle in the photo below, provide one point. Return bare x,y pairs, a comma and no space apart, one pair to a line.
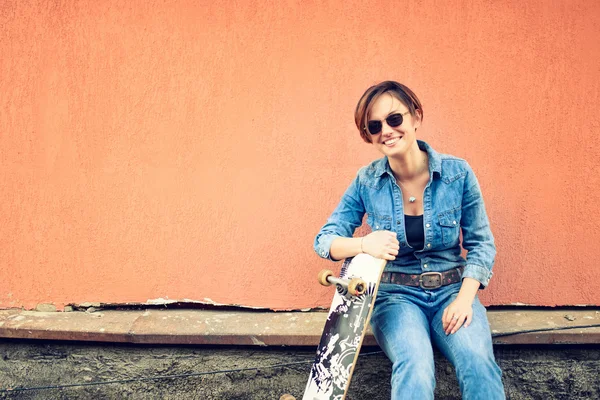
438,274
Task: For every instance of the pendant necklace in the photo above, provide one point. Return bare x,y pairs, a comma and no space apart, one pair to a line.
411,199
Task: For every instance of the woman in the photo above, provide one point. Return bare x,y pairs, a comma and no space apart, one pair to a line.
417,201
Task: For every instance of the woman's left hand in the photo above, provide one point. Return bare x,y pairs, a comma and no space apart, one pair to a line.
459,313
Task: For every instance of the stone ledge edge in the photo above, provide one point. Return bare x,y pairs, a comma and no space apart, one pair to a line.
263,328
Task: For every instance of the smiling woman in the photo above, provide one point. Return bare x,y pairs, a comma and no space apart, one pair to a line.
417,200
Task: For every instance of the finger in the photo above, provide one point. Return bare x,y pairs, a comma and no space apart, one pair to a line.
469,319
444,324
388,256
459,323
392,248
449,327
451,324
448,316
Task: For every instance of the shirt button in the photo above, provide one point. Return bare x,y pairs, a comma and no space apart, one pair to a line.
425,266
428,244
427,225
454,222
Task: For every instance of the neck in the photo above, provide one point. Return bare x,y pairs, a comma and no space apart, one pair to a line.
410,165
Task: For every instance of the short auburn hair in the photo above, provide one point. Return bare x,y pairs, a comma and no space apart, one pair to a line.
398,90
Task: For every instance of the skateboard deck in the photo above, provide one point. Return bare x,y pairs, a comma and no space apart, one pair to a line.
344,331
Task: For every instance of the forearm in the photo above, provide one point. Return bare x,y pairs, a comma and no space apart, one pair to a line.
478,239
343,247
468,290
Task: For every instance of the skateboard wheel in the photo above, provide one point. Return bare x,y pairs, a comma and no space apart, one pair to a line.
357,287
323,275
287,397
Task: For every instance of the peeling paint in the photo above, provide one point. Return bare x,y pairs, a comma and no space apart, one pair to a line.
257,342
206,301
160,301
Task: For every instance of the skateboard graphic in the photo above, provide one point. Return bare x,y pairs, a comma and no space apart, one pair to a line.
344,330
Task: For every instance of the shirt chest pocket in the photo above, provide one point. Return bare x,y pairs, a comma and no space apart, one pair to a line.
449,222
379,222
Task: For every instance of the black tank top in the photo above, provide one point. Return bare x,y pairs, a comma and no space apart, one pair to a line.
415,235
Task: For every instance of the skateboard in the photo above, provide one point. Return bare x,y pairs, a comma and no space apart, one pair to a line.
342,337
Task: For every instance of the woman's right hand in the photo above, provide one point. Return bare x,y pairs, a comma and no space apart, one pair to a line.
381,244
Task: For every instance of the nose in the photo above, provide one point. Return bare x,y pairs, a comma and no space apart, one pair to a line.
386,130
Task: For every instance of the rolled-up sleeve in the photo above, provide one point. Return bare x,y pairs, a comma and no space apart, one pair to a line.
477,235
343,222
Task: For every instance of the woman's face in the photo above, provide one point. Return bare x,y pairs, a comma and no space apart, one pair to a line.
393,140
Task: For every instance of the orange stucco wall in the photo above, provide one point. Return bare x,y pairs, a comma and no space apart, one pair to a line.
192,149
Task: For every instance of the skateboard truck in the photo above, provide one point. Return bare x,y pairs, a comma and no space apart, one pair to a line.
355,286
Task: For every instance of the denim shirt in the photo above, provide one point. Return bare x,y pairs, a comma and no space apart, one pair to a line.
452,201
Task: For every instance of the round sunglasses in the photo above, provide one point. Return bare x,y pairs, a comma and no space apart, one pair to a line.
374,126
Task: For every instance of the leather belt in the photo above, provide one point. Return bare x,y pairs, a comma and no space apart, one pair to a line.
426,280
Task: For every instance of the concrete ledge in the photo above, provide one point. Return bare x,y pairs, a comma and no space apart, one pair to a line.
264,328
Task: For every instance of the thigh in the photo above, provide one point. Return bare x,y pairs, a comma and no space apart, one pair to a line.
468,345
470,351
401,328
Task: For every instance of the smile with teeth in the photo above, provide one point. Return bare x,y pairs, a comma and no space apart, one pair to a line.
391,142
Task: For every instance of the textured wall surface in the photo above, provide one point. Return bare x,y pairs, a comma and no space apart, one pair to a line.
192,149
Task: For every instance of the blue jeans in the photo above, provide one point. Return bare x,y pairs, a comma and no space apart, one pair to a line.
405,322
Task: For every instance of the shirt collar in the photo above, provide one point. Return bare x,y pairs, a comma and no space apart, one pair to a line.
435,162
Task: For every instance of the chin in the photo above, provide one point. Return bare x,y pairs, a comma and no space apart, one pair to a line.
398,149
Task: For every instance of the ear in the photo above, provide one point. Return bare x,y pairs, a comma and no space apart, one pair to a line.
418,118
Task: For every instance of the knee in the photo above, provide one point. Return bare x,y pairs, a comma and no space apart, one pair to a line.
474,351
476,363
416,369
